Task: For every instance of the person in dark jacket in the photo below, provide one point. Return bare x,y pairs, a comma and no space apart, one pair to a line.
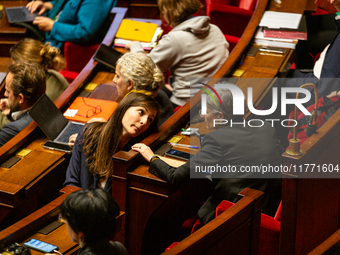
90,217
236,146
25,84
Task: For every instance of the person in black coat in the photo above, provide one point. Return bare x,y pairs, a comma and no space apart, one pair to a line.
326,71
90,217
237,146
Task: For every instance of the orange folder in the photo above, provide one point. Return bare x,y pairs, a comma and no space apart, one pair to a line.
88,108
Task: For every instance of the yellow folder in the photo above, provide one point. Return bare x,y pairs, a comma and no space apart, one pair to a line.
136,30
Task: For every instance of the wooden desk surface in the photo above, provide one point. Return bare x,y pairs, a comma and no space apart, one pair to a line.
9,34
28,228
39,166
138,184
37,178
5,27
5,62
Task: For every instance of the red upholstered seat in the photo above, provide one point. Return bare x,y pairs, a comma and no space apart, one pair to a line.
269,231
76,56
232,17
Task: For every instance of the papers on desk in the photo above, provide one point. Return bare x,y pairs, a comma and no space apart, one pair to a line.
273,19
281,29
282,25
172,162
273,42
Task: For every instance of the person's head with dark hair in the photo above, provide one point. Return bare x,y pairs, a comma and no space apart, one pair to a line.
136,114
90,216
174,12
25,83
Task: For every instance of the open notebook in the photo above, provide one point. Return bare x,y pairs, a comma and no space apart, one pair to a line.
53,123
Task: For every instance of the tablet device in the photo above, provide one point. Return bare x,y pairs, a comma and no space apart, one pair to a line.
21,14
107,56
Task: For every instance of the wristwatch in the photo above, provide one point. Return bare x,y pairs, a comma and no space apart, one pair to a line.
153,158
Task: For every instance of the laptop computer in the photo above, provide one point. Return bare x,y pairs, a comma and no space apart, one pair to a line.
107,56
21,14
53,123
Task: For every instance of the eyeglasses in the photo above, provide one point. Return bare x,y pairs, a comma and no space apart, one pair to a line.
90,112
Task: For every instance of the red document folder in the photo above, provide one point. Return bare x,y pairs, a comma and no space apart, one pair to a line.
88,108
300,33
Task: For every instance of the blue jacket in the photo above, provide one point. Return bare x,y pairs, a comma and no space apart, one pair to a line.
81,21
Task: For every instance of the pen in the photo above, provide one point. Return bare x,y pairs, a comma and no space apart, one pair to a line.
185,145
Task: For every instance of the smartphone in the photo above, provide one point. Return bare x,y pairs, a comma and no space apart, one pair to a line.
41,246
178,154
57,146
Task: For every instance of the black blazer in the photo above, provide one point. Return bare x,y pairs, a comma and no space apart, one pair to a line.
236,146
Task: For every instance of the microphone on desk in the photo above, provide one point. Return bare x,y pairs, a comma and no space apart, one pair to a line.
294,143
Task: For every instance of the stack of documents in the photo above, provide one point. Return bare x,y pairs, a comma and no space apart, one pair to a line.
273,42
281,29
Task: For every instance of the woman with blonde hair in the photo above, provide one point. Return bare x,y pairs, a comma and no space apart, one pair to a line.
48,57
136,72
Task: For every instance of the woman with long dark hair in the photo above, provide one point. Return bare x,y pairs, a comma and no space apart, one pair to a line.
91,164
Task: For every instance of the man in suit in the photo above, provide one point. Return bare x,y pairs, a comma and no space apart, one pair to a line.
234,146
325,71
25,83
